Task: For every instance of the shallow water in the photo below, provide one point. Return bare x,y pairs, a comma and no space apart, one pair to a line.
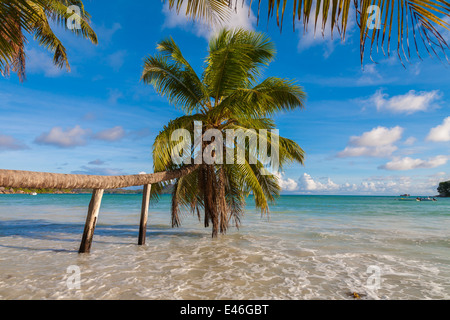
310,247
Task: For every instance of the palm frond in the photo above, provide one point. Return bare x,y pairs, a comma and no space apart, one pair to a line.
235,60
20,17
164,145
170,80
407,20
213,12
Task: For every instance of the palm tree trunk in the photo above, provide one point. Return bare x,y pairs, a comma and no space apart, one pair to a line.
222,202
39,180
211,199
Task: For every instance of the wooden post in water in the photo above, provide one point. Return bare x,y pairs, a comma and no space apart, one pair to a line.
91,221
144,213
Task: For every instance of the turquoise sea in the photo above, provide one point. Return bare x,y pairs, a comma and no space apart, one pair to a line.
308,247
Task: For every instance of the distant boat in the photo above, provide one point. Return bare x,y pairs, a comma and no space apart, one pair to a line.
33,194
418,199
405,195
407,199
426,199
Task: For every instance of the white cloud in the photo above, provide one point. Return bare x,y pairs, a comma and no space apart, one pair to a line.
307,183
312,38
112,134
378,152
64,139
78,136
381,185
440,133
10,143
377,137
370,75
408,163
385,185
287,184
41,62
408,103
238,18
410,141
379,142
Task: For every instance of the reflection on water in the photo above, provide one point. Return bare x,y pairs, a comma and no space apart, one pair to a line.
309,248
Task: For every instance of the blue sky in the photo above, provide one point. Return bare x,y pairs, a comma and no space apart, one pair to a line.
381,129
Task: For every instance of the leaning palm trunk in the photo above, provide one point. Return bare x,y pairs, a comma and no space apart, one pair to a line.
39,180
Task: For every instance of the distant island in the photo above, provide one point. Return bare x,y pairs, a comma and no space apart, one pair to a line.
444,189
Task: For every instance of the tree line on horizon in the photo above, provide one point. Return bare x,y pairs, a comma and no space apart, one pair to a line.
444,189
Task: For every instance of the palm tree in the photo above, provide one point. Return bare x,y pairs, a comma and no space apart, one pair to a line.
408,19
228,95
19,18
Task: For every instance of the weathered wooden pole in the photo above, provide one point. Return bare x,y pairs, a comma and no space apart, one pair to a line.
91,221
144,213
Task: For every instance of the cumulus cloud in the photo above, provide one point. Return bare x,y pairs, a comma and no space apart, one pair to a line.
381,185
408,163
237,18
408,103
379,142
307,183
10,143
68,138
112,134
77,136
287,184
396,185
440,133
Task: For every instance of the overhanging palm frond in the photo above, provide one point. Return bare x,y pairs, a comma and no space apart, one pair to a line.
211,11
58,11
409,21
19,18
